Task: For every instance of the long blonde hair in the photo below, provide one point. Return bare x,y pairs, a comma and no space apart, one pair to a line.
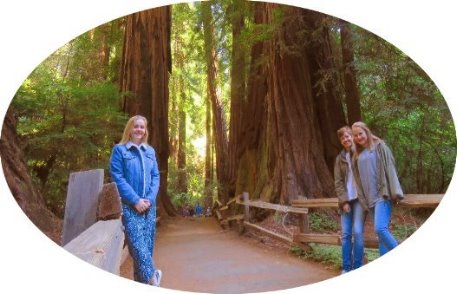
129,126
371,139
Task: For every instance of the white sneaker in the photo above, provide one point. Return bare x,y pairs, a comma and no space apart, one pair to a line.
156,277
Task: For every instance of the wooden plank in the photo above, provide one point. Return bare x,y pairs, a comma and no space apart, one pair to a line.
109,203
277,207
318,202
269,233
218,214
421,200
410,200
330,239
125,254
100,245
223,208
82,202
216,204
237,217
233,200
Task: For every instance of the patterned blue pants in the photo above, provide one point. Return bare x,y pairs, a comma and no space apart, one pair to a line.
140,231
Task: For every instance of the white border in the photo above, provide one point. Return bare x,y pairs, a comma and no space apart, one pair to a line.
32,30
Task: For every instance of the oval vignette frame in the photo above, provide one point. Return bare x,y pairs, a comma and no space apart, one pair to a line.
439,219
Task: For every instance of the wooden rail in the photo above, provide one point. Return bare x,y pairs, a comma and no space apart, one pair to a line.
410,200
92,224
100,245
301,207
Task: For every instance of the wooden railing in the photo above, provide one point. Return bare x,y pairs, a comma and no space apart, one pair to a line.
301,207
92,227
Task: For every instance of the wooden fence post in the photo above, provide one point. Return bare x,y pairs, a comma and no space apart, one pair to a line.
303,222
109,203
246,206
81,203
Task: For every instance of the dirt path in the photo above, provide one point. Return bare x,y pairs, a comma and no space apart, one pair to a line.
196,255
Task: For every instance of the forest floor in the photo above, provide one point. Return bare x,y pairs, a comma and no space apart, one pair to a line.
196,255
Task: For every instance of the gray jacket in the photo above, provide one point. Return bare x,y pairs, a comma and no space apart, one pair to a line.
388,184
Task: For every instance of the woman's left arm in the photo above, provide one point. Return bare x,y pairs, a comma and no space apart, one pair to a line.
393,182
155,178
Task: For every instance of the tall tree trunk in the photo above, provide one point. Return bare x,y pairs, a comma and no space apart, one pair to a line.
349,74
182,173
146,65
286,155
252,173
208,154
238,89
324,78
220,133
20,183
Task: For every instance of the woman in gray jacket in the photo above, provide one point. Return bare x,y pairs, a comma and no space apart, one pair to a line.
377,182
352,213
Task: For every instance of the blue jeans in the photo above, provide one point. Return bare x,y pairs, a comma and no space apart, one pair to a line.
352,224
382,212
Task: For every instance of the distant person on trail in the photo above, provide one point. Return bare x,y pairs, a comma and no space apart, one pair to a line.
377,182
208,211
133,167
198,210
352,213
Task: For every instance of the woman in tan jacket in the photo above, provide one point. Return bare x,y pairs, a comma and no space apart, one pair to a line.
352,213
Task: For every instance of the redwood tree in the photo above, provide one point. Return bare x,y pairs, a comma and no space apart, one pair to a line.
285,156
219,126
349,74
20,182
237,87
145,69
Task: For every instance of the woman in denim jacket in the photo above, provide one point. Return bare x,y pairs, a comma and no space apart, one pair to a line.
377,182
134,169
352,213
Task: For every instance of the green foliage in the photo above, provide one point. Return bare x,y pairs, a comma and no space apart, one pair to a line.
321,222
403,231
329,255
68,119
403,106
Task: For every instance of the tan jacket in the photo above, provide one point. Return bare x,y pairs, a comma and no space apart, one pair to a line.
340,174
388,183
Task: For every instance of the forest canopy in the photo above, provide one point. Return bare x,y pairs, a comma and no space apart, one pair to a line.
254,95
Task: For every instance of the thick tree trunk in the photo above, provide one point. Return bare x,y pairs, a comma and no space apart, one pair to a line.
285,157
324,78
145,72
252,175
20,183
349,74
238,89
220,133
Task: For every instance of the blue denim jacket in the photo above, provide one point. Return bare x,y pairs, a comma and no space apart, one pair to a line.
136,174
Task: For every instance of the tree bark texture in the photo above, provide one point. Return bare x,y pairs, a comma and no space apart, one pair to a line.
283,156
324,80
219,125
208,152
350,74
238,89
146,65
19,181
